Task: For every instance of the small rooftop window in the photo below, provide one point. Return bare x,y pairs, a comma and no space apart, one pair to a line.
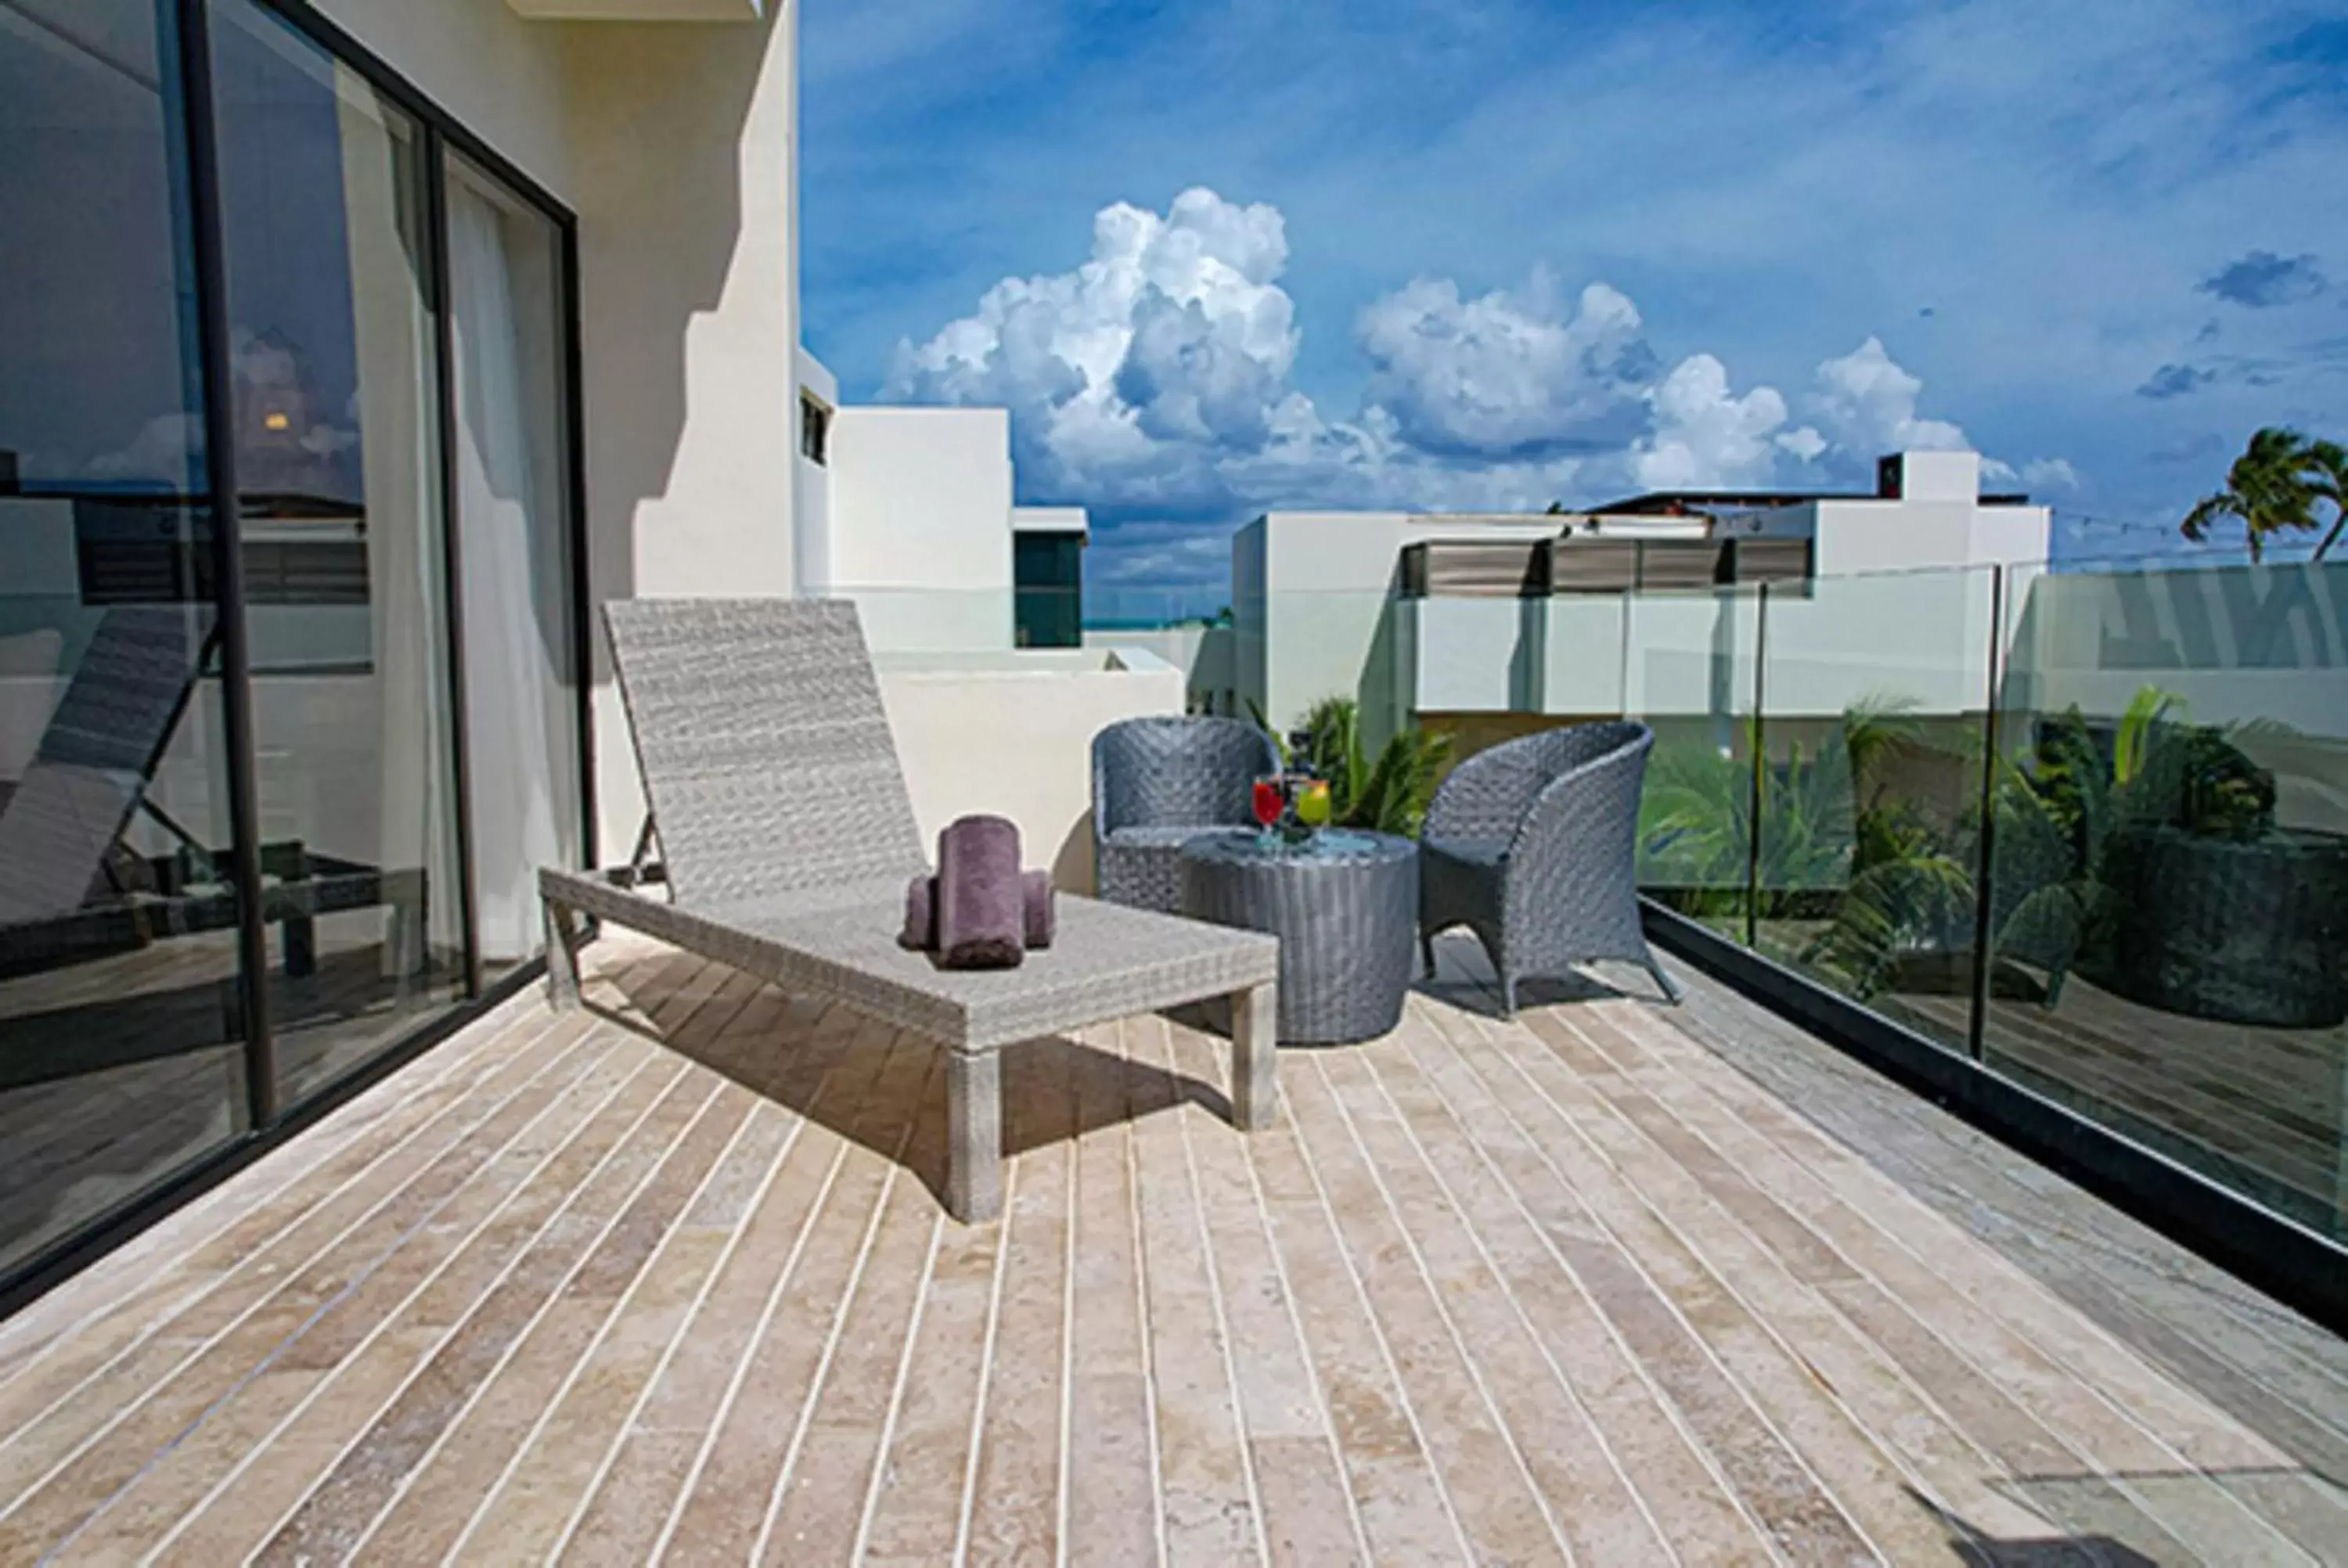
815,428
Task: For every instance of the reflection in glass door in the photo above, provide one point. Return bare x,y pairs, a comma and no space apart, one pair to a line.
513,528
328,271
120,1025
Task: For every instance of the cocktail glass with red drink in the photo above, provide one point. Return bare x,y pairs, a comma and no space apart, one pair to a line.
1270,799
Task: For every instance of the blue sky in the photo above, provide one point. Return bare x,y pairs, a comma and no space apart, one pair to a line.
1232,254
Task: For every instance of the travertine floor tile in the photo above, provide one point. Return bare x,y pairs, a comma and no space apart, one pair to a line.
668,1280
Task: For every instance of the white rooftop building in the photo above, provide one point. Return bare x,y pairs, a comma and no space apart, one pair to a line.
1461,616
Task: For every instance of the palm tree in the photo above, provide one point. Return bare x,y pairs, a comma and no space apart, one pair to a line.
2276,484
2330,461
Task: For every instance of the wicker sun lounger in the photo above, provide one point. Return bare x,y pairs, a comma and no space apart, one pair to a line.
786,836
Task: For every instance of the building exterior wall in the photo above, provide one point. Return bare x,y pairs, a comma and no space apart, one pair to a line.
1324,600
1871,536
1204,654
1901,608
682,140
811,479
1251,614
920,525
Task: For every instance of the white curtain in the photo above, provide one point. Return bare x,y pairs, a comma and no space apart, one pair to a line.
409,823
514,689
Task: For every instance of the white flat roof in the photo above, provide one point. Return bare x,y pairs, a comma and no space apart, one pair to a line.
1052,520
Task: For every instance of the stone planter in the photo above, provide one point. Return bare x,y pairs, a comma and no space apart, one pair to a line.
2252,933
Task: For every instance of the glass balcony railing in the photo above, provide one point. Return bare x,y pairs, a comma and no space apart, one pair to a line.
2084,828
2166,913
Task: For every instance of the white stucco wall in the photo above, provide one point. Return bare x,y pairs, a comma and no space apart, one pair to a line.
1202,653
1012,735
1479,655
1922,638
1251,614
1871,536
1585,652
811,481
922,497
684,146
920,525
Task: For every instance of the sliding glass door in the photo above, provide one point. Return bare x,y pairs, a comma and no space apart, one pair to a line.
277,764
333,352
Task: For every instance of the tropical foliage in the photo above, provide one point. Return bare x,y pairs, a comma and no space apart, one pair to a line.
1388,794
2278,484
1845,849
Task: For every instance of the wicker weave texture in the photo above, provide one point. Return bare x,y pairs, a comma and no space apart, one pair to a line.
1104,963
768,707
1155,777
765,749
111,723
1343,917
1530,846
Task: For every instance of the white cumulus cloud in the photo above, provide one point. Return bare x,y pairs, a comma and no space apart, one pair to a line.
1170,344
1157,373
1507,374
1867,403
2050,474
1706,435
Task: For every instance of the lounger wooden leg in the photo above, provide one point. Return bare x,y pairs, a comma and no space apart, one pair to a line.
1255,1054
561,957
409,940
974,1135
299,935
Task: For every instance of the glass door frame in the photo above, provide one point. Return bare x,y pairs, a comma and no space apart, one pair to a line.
184,37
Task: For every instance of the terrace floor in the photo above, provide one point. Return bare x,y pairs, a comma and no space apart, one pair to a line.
1607,1283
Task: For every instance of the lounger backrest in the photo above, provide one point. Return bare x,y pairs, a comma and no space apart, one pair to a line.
766,754
95,759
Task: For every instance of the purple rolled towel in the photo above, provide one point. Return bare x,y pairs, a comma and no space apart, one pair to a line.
981,906
1037,886
920,932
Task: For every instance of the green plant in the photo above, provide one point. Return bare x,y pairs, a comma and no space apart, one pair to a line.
1696,836
2050,898
1388,794
1911,884
1841,843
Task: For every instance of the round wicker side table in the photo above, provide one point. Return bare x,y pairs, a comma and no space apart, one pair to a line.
1346,909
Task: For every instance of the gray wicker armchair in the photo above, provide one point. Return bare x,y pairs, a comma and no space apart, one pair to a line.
1529,845
1159,782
